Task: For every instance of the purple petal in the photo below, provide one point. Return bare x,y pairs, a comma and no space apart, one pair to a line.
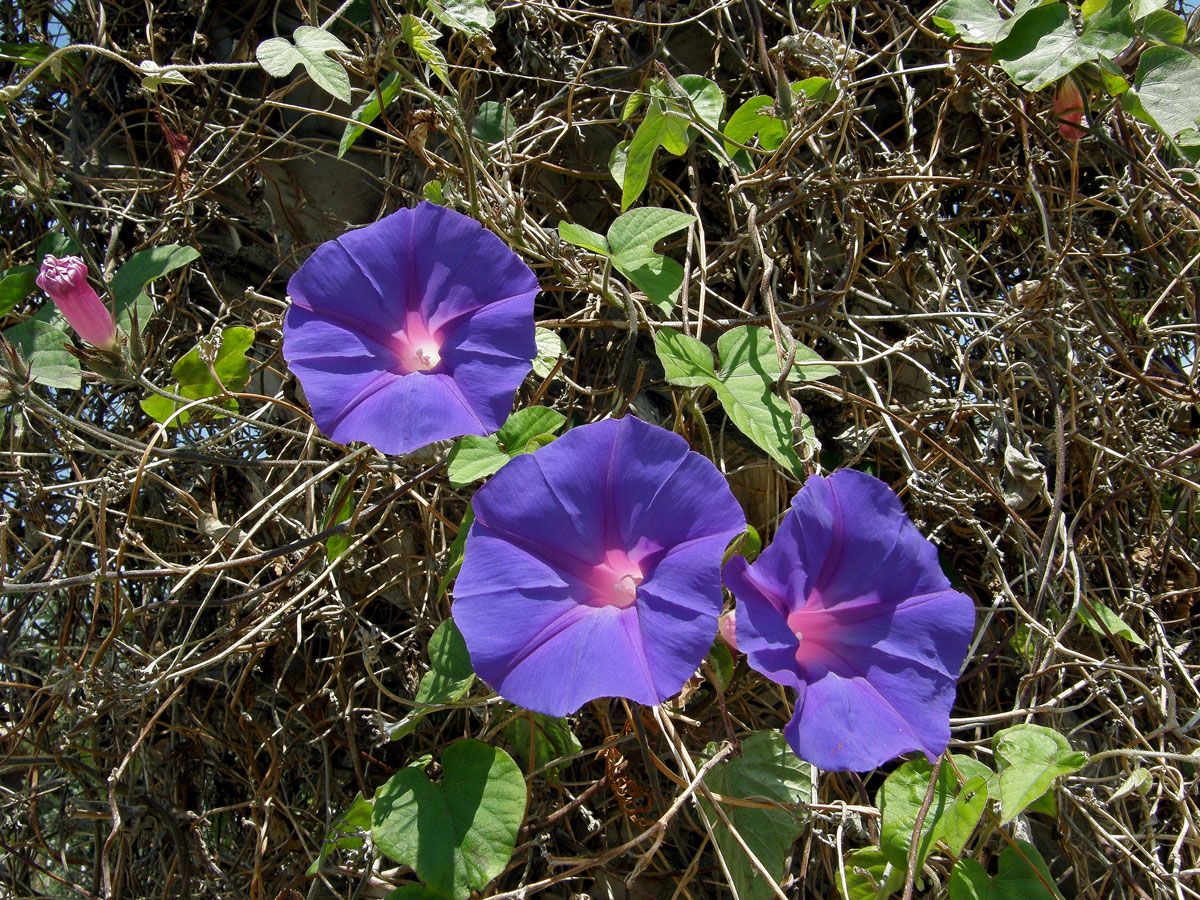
471,263
575,586
381,359
762,631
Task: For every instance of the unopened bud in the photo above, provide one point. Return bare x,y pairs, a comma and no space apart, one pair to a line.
65,280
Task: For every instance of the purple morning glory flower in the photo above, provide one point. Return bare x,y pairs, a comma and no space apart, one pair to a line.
411,330
593,568
849,606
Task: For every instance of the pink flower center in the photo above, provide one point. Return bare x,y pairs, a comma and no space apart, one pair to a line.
615,581
813,629
417,350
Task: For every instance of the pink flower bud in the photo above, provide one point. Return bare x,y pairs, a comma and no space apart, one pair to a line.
1068,110
727,628
65,280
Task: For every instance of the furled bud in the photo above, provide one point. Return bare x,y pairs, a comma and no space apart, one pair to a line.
65,280
1068,109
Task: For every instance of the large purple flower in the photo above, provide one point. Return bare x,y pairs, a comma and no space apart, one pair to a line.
849,607
411,330
593,568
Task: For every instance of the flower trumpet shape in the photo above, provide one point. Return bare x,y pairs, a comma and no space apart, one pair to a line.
65,280
411,330
849,606
1068,109
593,568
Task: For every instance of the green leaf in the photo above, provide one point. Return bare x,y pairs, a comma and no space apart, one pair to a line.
493,123
631,239
952,816
551,738
129,284
707,99
868,876
583,237
686,361
194,380
1139,9
32,54
617,161
468,16
1167,86
526,424
1017,879
458,833
311,49
476,457
43,343
56,244
414,892
454,555
1099,613
751,118
450,675
1043,47
550,349
749,370
1029,758
16,284
721,660
978,21
1164,26
346,832
335,546
420,36
368,111
667,124
433,193
645,227
768,769
656,276
658,129
745,383
154,75
473,458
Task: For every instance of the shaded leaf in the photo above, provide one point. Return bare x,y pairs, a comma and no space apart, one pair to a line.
1167,88
346,833
16,284
870,876
1017,879
129,284
768,769
450,675
549,737
469,16
335,514
493,123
